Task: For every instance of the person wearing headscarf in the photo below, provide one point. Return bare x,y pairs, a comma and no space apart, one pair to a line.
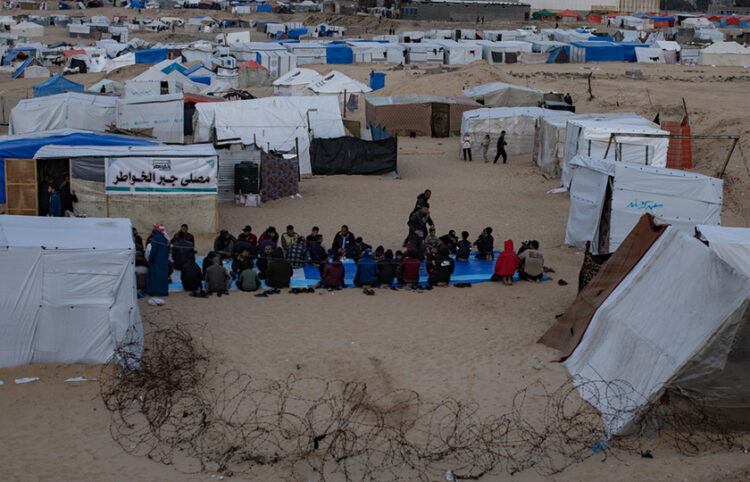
506,264
157,283
443,267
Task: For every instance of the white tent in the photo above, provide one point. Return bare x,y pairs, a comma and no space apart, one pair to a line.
164,114
607,198
107,86
459,53
725,53
549,146
295,82
669,45
276,122
730,244
590,137
338,84
654,334
500,94
28,29
68,292
648,55
71,110
519,124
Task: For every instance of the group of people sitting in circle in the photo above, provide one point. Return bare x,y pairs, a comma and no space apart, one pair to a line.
272,257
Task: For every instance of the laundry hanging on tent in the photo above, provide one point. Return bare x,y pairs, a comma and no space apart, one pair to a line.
279,177
352,102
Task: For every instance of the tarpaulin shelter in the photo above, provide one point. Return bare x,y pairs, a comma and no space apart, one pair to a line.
500,94
252,74
650,55
729,243
725,53
27,29
692,343
567,15
607,198
68,291
31,69
150,56
339,54
71,110
543,14
593,138
559,55
519,123
163,115
56,85
199,74
107,86
423,115
295,82
350,155
338,84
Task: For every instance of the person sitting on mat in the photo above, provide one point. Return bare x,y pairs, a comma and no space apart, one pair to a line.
333,275
217,279
410,269
263,260
485,245
367,274
463,248
279,272
531,263
506,264
386,268
248,280
443,267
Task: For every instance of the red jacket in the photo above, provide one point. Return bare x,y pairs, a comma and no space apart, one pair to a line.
410,269
507,261
333,274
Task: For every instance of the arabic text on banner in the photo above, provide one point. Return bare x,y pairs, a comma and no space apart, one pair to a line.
148,175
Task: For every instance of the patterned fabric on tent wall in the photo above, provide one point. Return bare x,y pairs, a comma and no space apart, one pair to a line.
279,176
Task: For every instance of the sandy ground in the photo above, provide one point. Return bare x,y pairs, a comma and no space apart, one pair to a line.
471,344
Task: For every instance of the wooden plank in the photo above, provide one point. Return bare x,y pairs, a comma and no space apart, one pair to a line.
21,187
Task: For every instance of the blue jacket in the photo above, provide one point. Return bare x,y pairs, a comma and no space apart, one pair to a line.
55,204
367,272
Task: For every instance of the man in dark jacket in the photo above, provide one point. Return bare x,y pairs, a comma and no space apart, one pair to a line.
367,274
191,276
443,267
343,240
501,148
279,271
185,234
224,244
333,275
67,197
485,245
387,268
217,278
158,264
182,251
55,204
422,199
418,229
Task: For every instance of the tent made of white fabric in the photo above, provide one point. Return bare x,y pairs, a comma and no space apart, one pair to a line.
499,52
295,82
123,60
648,55
69,110
712,34
550,138
725,53
667,45
276,122
607,198
336,83
519,124
691,339
590,137
68,291
697,22
28,29
500,94
164,114
459,53
731,244
107,86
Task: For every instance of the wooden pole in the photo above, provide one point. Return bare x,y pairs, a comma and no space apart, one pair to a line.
609,143
729,156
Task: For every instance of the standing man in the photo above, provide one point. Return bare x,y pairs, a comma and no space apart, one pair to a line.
55,204
501,148
67,196
422,199
418,229
157,283
466,144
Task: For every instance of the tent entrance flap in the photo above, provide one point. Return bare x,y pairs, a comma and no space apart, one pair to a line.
56,169
21,187
440,120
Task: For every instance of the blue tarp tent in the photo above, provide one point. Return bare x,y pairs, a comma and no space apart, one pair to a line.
560,55
150,56
198,73
11,55
264,8
628,50
296,33
597,52
339,54
56,85
136,4
174,66
25,147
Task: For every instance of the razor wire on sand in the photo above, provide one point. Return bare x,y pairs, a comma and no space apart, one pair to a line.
179,408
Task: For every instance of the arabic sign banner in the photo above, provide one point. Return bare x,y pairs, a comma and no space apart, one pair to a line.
151,175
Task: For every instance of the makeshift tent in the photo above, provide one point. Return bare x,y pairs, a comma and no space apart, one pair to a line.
31,69
567,16
339,54
549,148
518,122
295,82
336,83
595,51
650,56
107,86
607,198
56,85
725,53
279,122
150,56
350,155
559,55
279,175
199,74
423,115
176,184
26,146
543,14
162,115
27,29
252,74
68,291
500,94
71,110
730,244
691,343
591,137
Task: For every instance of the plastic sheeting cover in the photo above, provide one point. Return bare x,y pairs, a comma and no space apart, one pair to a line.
350,155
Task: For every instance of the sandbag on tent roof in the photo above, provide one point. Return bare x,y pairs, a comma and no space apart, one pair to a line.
500,94
591,137
730,244
607,198
295,81
691,342
56,85
71,110
518,122
55,312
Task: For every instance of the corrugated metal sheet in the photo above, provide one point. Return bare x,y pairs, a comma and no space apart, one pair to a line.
575,5
227,161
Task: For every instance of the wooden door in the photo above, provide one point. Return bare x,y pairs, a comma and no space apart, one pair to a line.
21,187
440,120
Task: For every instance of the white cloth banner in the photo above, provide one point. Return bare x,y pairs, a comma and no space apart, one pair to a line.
151,175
